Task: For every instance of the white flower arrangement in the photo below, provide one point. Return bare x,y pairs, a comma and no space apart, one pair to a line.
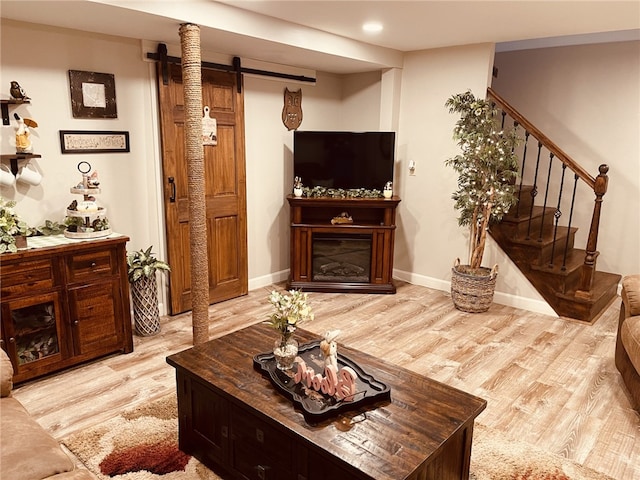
292,308
10,226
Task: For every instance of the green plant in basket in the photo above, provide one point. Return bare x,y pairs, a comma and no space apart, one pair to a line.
143,263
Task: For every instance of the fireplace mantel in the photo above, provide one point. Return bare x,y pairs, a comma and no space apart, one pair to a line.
373,218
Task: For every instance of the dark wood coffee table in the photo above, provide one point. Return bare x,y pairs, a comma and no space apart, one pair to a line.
234,420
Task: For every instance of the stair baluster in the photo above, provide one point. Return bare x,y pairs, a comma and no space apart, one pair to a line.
546,197
557,214
524,162
534,192
573,202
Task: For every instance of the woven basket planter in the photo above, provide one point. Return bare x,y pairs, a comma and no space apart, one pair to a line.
472,293
144,296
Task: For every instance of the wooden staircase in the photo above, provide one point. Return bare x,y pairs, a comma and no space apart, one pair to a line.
543,248
541,259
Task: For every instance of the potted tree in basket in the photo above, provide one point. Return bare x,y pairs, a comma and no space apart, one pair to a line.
487,168
142,266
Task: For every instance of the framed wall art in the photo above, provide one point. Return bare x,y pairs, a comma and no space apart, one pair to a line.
93,95
89,141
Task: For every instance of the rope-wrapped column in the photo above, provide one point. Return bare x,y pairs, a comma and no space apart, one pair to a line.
192,84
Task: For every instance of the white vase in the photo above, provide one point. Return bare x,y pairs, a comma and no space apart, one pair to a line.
297,192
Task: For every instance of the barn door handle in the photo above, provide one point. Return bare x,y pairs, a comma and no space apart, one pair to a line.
172,182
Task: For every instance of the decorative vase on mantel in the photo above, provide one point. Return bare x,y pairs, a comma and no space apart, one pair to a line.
285,351
297,187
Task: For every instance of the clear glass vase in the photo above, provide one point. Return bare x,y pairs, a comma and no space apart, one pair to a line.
285,351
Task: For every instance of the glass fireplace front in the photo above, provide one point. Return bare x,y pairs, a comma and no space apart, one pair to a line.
341,258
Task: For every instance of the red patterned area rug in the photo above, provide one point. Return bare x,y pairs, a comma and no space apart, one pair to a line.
142,444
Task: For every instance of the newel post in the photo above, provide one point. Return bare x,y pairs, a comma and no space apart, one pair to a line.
589,267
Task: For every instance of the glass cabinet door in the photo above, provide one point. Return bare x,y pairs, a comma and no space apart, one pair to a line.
31,331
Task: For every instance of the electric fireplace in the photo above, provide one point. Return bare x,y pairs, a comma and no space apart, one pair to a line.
341,257
353,257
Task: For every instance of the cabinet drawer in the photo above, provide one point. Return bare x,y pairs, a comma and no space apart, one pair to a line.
87,266
257,445
256,465
26,276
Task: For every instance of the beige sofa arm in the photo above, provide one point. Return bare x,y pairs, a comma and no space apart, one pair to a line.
631,295
6,374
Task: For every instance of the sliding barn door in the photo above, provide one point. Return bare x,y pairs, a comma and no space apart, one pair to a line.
225,184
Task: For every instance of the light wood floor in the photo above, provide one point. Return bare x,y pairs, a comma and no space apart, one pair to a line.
550,382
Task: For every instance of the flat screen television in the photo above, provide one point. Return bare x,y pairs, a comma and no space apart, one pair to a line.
344,160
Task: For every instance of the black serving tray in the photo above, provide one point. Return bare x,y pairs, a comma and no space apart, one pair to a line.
317,406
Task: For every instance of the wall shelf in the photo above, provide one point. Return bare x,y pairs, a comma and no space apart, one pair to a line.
4,104
15,157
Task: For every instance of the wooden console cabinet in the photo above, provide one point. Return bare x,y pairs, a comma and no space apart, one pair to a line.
65,304
374,219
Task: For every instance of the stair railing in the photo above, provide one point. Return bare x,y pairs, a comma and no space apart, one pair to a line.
598,185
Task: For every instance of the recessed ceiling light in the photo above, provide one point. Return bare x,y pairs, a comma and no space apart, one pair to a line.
372,27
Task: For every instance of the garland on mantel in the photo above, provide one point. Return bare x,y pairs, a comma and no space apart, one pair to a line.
316,192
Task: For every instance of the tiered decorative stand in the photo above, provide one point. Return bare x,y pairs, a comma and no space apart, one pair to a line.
94,218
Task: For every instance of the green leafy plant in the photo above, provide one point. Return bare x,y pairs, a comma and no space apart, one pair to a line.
10,226
73,223
100,224
487,168
50,228
292,308
319,191
143,263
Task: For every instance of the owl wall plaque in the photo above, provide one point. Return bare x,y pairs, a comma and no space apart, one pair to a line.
292,110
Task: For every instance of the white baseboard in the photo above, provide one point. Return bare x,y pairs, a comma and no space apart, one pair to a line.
532,305
266,280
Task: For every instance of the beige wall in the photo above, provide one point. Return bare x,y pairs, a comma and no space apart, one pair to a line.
586,99
269,153
360,109
410,101
132,182
128,180
428,238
